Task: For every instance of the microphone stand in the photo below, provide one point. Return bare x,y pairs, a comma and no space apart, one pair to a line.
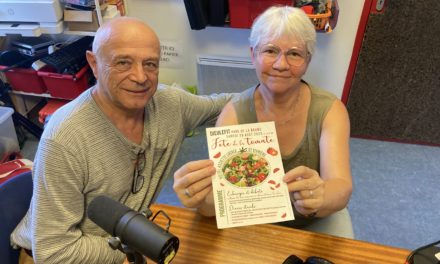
133,256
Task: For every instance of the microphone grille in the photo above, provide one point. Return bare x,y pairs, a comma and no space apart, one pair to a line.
106,212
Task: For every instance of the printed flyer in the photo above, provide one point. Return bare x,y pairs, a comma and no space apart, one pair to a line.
248,187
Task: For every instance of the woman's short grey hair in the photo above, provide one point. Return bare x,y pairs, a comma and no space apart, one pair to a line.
279,21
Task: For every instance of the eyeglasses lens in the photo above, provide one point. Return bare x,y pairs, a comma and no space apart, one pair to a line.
270,54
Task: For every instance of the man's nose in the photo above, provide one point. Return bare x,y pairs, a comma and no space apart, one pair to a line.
138,74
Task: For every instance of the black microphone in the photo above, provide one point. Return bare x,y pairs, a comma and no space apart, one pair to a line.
133,229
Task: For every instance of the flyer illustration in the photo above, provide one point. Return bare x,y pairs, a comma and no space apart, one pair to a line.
248,187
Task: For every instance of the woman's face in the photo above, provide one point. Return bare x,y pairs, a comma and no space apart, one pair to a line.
280,63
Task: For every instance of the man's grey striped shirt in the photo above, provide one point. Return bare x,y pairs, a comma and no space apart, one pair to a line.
82,155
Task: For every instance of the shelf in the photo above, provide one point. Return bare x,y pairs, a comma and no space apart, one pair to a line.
45,95
79,33
32,28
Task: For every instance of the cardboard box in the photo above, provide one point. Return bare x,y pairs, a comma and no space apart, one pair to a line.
110,13
81,20
119,5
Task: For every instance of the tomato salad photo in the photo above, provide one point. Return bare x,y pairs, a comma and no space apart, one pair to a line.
246,169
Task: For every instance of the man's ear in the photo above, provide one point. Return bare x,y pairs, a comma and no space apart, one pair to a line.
91,59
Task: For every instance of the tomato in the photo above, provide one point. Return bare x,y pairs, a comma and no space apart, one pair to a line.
233,179
261,177
272,151
257,165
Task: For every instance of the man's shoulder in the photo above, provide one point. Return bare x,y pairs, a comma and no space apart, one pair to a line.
169,97
71,118
165,91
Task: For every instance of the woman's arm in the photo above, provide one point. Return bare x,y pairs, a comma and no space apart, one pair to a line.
194,178
228,116
322,195
334,146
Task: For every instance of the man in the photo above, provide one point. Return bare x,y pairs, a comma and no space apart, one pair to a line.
119,138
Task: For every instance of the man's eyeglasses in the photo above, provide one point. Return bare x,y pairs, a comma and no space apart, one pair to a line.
138,179
271,53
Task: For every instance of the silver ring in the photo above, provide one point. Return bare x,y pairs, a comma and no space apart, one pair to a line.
187,193
311,193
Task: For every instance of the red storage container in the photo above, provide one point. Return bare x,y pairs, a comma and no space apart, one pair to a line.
243,12
51,106
66,86
25,80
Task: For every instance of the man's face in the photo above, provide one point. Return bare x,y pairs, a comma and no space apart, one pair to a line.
127,69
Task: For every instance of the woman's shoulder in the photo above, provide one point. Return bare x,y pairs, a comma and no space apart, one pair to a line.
245,96
321,102
321,93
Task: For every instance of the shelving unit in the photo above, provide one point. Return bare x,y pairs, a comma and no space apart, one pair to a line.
25,101
99,17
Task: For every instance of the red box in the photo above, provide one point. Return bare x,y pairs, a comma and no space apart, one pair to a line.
25,80
51,106
243,12
66,86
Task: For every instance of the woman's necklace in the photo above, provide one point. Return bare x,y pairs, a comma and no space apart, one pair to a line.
291,113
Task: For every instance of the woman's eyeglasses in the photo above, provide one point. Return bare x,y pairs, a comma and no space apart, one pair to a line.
138,179
271,53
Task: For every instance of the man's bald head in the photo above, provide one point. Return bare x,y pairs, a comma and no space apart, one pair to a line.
121,29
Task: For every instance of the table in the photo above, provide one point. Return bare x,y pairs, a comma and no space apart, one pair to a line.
201,242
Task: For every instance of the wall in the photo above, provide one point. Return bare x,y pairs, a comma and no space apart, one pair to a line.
395,91
328,68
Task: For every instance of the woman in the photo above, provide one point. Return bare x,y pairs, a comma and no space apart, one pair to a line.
312,126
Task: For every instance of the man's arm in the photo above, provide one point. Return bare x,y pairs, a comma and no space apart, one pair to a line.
201,109
58,209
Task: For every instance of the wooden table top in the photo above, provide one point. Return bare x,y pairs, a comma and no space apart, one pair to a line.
201,242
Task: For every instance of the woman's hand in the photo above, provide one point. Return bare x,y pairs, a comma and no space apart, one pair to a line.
306,190
193,183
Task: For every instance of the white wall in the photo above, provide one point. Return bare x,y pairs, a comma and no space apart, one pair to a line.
328,68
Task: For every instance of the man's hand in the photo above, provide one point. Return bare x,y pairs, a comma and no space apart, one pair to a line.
193,183
306,189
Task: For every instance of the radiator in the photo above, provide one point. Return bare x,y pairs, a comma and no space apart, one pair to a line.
224,74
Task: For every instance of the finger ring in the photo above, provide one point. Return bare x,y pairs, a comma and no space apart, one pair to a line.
187,193
311,193
312,215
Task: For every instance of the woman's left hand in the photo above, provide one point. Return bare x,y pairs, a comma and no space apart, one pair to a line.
306,190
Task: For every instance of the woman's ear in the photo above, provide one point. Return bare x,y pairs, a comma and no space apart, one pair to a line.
252,54
309,58
91,59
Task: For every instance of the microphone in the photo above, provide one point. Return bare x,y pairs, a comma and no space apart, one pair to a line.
133,229
293,259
